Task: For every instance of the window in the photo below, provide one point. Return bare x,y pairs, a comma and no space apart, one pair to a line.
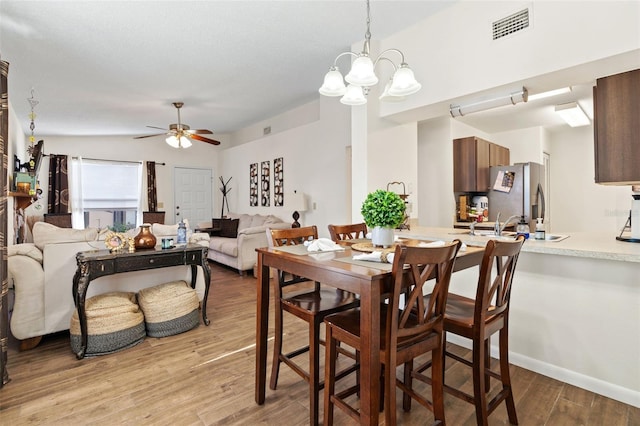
106,193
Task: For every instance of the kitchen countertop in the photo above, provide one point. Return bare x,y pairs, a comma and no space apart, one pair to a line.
579,244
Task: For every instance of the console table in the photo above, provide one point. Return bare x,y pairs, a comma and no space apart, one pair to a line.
98,263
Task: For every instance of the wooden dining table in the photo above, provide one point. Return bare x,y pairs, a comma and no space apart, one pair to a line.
337,269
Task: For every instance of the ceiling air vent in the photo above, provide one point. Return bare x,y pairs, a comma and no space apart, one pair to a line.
511,24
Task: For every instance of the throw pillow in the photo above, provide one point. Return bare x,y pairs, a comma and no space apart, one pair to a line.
229,228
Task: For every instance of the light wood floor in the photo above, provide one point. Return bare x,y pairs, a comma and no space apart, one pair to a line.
205,377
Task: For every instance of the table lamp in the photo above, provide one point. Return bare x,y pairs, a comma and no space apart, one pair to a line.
298,203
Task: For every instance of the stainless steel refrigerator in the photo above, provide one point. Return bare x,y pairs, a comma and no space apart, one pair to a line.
517,190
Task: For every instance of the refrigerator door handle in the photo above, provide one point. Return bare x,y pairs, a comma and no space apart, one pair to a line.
540,201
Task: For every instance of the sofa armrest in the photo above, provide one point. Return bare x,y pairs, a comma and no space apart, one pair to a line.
200,238
27,276
25,249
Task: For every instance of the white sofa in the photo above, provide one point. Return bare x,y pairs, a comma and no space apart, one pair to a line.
240,252
42,276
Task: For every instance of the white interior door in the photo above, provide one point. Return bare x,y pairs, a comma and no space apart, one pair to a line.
192,195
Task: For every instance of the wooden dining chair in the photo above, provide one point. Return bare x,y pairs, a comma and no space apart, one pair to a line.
309,304
405,333
348,232
477,319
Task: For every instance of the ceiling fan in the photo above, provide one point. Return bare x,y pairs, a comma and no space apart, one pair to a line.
180,135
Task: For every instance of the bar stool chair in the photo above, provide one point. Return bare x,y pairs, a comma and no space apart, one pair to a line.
311,305
348,232
477,319
404,333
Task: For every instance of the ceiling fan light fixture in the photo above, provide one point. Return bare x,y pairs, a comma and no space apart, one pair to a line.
173,141
185,142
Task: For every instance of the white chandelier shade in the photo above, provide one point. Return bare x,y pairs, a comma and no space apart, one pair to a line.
362,75
333,83
404,82
354,96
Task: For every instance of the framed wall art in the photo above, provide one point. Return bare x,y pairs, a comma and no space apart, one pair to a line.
278,182
266,187
253,184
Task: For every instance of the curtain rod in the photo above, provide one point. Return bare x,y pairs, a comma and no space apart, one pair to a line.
115,161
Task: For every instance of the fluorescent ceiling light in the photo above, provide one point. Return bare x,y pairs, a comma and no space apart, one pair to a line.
573,114
550,93
485,104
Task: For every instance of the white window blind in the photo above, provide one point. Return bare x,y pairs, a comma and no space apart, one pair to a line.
110,185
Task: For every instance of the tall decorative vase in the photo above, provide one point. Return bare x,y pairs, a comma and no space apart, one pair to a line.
382,236
145,239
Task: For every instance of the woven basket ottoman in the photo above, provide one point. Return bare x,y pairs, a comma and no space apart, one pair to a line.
114,322
169,308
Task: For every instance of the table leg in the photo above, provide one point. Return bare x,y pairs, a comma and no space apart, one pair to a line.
81,281
370,354
206,272
262,328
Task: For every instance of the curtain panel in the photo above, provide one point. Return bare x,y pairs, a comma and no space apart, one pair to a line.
152,193
58,184
4,290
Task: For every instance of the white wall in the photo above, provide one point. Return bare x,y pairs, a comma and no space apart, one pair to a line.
315,162
453,54
579,204
199,155
392,158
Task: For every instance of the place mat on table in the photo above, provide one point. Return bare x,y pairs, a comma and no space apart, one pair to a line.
299,249
366,263
369,247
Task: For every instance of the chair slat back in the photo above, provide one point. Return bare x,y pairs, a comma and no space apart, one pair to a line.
494,291
348,232
293,236
416,267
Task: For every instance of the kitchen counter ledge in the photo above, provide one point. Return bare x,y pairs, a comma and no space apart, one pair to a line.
579,244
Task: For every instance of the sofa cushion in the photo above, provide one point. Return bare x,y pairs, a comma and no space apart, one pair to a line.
228,246
229,228
46,233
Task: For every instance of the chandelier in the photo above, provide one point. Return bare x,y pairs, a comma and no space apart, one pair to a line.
362,76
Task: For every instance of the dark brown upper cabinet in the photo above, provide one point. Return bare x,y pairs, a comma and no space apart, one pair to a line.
472,157
616,128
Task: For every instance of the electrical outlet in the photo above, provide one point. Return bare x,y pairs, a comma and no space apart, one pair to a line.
314,205
160,204
266,130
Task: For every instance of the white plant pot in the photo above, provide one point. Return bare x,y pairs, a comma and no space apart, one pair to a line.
381,236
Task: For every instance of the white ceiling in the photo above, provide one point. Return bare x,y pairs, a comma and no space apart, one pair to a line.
113,67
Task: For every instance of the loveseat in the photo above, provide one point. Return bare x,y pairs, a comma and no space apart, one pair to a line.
42,276
235,239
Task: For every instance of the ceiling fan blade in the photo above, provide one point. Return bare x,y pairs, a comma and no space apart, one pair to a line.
200,131
159,128
148,136
203,139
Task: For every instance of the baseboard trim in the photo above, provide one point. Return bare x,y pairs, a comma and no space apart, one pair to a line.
601,387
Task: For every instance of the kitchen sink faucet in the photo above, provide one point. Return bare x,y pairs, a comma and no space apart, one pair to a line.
498,229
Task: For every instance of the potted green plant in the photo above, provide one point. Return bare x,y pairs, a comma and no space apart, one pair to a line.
382,212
